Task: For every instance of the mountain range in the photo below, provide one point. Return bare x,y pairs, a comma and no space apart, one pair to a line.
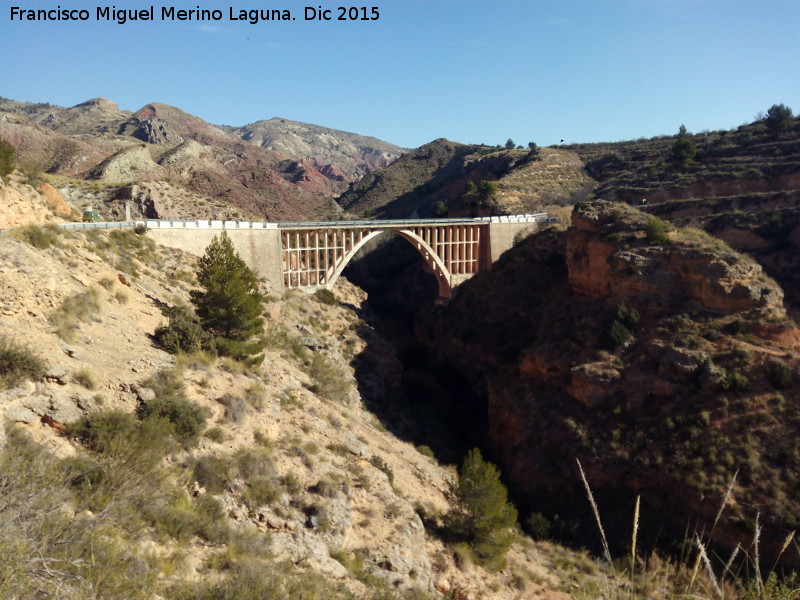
274,169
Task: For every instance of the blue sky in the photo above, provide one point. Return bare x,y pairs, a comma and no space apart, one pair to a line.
577,70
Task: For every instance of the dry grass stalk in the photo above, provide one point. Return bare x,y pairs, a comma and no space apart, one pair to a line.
728,564
788,541
756,540
704,556
634,535
724,503
695,571
596,512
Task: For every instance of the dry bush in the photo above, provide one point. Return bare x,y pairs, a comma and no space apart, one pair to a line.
18,363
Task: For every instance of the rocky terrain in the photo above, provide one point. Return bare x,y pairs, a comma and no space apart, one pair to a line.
338,155
665,363
347,504
741,186
440,171
275,170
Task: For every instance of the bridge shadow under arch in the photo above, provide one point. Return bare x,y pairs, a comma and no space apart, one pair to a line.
398,378
430,258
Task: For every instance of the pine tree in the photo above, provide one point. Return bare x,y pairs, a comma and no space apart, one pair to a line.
684,149
482,515
779,119
230,305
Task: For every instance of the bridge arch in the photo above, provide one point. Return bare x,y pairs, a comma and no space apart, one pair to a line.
432,260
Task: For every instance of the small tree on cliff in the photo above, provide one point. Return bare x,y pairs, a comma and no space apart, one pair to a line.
482,515
6,158
229,306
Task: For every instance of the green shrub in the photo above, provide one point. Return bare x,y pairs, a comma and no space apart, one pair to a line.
538,526
656,231
215,473
6,158
235,408
247,352
261,491
255,463
735,381
215,434
628,316
326,297
18,363
32,170
779,119
617,335
425,451
779,374
183,333
40,237
684,150
249,580
187,417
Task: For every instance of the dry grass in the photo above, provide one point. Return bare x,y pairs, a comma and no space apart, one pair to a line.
673,580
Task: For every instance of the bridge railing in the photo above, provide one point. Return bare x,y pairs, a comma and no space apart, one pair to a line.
212,224
218,224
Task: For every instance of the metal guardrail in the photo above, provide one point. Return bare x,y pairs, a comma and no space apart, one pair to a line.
214,224
102,225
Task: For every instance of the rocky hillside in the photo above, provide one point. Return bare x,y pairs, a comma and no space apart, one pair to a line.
95,142
280,478
742,186
339,155
663,360
441,170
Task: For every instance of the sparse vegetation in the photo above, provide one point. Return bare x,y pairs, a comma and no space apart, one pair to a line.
85,378
18,363
40,237
329,379
75,310
186,417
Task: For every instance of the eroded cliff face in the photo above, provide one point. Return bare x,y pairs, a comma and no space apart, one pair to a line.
664,368
610,257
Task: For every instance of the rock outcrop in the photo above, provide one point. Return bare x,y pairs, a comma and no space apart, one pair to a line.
610,257
150,130
665,368
126,165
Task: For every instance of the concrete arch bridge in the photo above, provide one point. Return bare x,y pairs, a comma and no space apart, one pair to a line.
312,255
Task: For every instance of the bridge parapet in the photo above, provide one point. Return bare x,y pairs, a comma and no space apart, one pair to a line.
200,224
310,255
